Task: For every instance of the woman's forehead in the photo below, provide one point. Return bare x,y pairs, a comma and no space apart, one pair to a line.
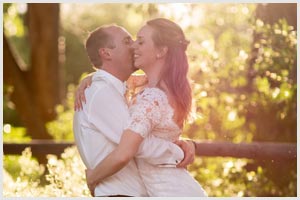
144,31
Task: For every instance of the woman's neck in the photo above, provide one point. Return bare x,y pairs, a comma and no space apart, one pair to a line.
154,75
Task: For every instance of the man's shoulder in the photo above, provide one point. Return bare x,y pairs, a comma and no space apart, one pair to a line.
100,87
100,83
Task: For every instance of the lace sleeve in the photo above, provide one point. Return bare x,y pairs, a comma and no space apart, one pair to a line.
146,112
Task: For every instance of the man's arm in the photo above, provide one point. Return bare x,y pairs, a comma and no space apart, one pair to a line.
160,152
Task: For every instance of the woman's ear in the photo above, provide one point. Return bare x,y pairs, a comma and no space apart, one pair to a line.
162,52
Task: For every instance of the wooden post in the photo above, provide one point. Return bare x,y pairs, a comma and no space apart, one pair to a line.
253,150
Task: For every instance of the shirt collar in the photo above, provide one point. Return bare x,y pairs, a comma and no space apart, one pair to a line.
117,83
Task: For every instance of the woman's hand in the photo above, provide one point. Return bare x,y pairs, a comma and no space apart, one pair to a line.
79,93
135,81
91,185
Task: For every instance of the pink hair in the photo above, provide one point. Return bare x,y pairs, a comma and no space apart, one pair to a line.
169,34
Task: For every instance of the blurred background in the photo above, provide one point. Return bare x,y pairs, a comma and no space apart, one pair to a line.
242,66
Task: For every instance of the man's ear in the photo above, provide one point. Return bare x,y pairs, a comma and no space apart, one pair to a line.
104,53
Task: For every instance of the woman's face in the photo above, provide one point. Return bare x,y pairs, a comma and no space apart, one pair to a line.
145,52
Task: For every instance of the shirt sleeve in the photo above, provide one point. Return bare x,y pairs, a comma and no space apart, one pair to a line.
145,113
160,152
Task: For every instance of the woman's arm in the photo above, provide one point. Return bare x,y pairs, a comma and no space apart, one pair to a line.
116,160
79,93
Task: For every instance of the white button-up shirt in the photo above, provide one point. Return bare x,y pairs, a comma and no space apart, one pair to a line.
98,129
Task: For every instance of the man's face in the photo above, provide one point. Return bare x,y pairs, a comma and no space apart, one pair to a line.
122,54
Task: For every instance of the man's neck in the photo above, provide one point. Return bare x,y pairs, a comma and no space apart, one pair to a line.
113,71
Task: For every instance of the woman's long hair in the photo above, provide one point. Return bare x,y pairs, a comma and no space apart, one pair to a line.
169,34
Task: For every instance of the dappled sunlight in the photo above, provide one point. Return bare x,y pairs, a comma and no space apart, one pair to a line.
243,55
65,177
7,128
243,77
182,13
231,115
13,25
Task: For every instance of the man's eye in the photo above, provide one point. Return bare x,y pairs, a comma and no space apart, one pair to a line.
128,41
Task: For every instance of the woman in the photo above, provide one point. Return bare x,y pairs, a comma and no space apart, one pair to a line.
161,109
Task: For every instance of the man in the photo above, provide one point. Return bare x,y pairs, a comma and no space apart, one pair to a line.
98,127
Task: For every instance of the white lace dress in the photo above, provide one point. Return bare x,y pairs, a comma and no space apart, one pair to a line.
151,113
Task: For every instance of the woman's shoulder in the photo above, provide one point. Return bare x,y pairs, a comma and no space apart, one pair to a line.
153,94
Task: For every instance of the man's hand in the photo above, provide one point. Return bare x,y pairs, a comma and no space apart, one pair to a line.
90,185
188,148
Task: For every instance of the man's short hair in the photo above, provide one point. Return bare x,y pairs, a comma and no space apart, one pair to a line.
99,38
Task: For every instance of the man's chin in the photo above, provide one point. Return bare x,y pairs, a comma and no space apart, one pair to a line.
134,69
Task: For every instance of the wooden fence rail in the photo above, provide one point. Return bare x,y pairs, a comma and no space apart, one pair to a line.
254,150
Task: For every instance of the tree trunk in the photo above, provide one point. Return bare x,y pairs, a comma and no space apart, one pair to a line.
271,12
36,91
43,35
21,95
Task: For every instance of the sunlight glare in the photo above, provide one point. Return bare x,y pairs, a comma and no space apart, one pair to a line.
276,92
231,116
240,194
243,55
204,67
7,128
286,93
245,10
203,94
229,99
181,13
208,45
52,160
22,8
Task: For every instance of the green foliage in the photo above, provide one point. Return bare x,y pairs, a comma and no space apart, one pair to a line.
64,177
220,177
242,99
227,177
26,174
14,134
62,127
15,30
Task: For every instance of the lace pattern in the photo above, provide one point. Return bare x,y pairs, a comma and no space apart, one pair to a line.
151,113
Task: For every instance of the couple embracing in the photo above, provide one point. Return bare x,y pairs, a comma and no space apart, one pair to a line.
132,147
